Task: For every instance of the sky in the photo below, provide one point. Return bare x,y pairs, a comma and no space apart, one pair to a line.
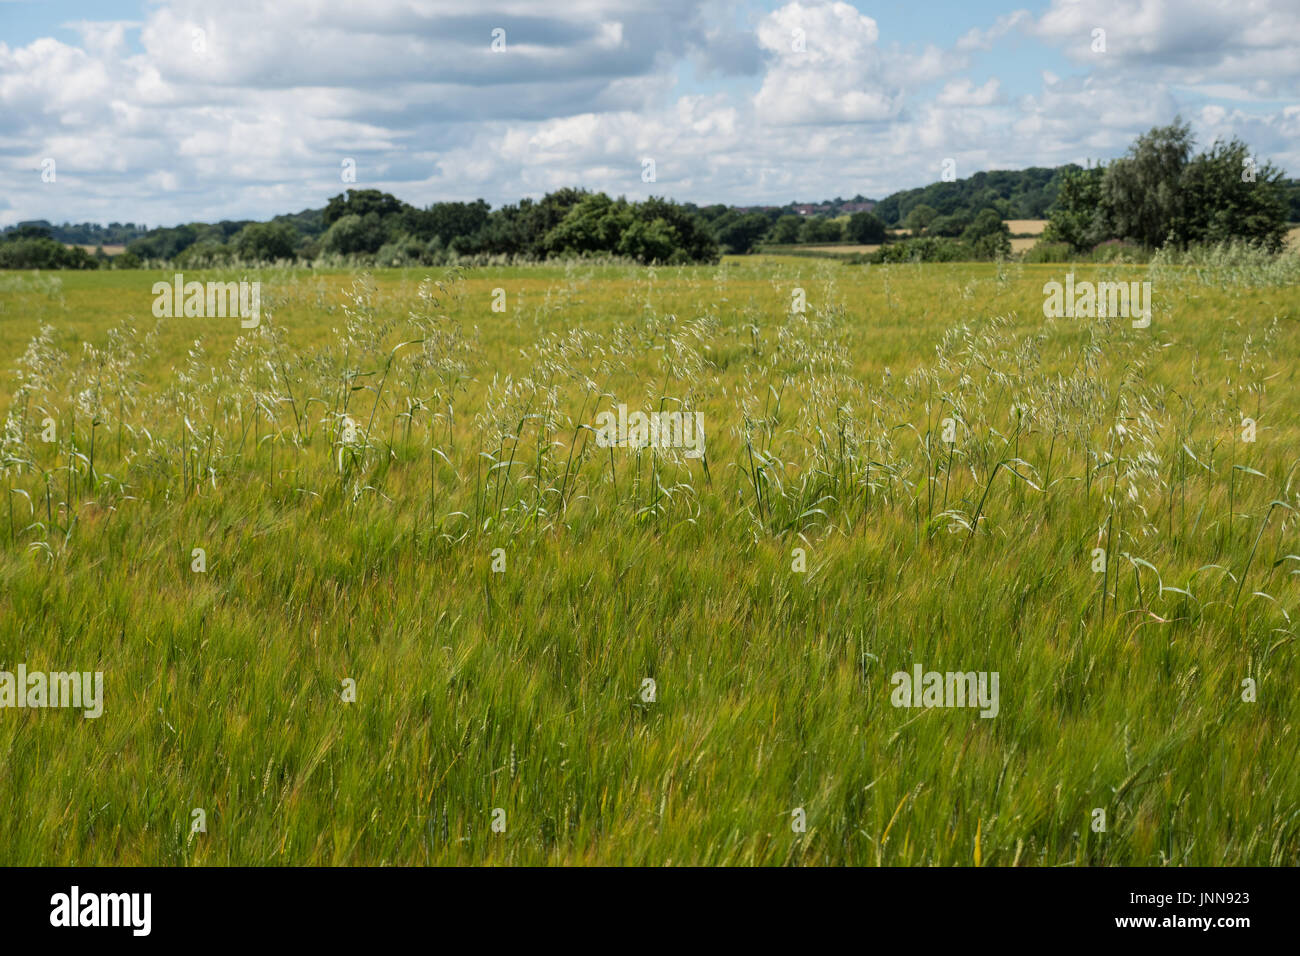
171,111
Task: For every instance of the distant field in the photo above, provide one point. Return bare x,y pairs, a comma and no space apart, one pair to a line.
111,250
434,621
825,251
1293,238
1018,227
1020,245
844,249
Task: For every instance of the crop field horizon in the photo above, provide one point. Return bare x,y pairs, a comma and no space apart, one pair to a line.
368,584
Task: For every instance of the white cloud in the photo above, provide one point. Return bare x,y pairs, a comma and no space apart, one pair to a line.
977,39
964,93
825,67
1241,41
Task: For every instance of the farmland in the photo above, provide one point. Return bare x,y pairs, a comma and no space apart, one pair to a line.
365,589
1026,227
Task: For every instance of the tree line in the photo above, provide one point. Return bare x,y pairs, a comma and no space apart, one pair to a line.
1157,194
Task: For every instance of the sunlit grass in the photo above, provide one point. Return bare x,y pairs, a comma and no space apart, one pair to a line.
349,496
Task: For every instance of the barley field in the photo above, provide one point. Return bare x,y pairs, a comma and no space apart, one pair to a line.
365,588
844,248
1026,227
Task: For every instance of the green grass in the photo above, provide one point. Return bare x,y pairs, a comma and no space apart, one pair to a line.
371,560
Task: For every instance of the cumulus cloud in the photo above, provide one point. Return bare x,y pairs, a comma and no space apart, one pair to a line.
964,93
825,67
1246,42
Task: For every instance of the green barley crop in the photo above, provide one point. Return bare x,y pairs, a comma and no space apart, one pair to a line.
396,488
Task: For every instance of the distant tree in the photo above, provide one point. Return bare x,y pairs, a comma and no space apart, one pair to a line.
865,227
694,240
310,223
29,230
1079,216
401,250
738,233
1156,195
951,226
204,253
594,225
1023,193
165,243
1227,195
992,245
919,219
786,229
712,213
446,220
1141,191
651,241
506,231
355,235
361,202
266,242
988,235
43,253
521,229
818,229
1291,189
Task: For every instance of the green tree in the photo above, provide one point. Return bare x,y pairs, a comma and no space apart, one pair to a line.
865,227
651,241
988,235
166,243
353,235
446,220
1080,217
521,230
206,252
818,229
1227,195
919,219
992,245
360,202
593,226
786,229
266,242
951,226
738,233
1291,190
39,253
695,241
1142,191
